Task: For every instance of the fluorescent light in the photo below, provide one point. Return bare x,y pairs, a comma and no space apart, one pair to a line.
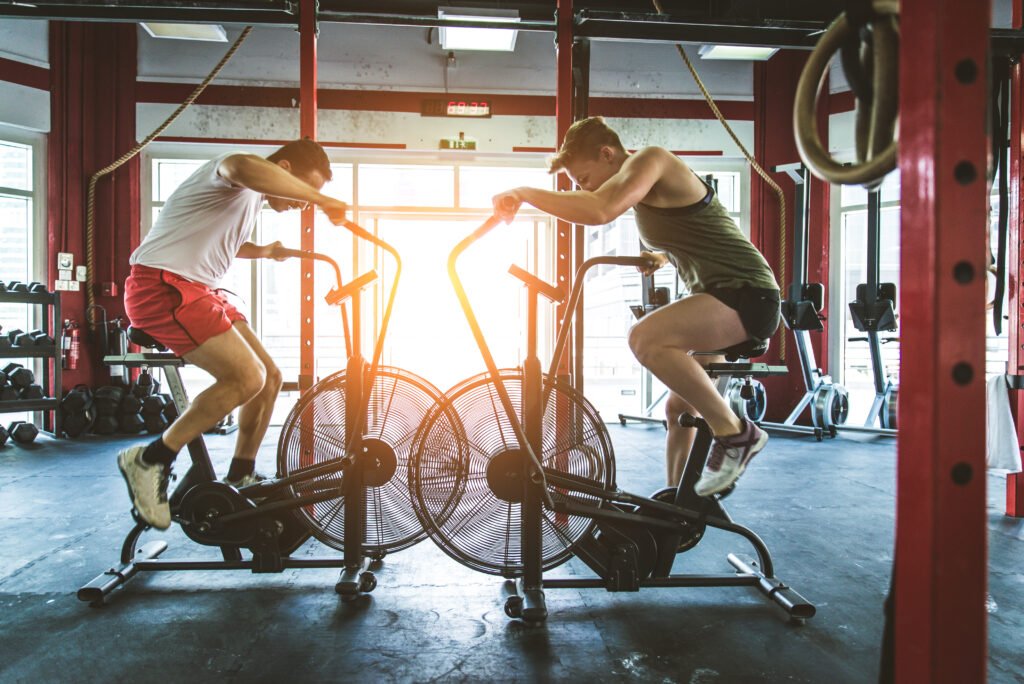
209,32
496,39
739,52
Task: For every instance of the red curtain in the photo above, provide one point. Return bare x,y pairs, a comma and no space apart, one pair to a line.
92,109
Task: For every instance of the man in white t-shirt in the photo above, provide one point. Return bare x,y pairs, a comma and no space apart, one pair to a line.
172,295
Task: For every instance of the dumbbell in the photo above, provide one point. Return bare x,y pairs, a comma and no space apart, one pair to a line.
18,376
155,424
131,423
12,335
130,404
170,409
107,400
144,386
77,424
153,405
22,432
3,435
32,392
76,400
105,425
17,286
38,288
40,338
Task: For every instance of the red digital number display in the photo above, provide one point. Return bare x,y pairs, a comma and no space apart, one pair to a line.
468,108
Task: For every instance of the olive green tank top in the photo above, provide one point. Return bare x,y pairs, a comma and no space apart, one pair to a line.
707,248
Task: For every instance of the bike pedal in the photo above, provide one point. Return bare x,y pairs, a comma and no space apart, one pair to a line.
725,492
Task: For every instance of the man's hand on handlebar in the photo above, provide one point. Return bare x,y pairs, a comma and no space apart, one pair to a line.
335,210
506,205
655,261
276,251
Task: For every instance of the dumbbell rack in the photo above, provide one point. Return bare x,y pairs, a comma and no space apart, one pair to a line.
51,301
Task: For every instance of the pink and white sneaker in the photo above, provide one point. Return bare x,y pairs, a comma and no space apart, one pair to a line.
729,458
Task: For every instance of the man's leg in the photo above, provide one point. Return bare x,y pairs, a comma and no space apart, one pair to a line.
239,375
254,416
662,342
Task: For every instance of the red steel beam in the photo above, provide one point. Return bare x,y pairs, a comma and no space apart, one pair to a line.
1015,269
411,102
307,128
1015,288
941,565
563,120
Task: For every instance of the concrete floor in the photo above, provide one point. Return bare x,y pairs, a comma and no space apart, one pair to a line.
825,510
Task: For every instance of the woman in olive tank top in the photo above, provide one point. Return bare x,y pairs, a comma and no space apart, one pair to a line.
734,296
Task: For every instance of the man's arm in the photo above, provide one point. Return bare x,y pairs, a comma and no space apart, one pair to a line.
250,250
625,189
259,175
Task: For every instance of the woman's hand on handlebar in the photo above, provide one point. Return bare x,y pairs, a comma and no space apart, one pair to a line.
506,205
335,210
655,260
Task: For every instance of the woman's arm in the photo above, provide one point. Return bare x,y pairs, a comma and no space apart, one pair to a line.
625,189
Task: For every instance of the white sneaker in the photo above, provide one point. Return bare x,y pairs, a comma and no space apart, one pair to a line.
729,458
245,481
147,486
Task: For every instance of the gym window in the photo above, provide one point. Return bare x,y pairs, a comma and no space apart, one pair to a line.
421,203
22,226
855,354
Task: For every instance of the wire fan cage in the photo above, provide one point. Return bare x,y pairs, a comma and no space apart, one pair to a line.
316,433
449,473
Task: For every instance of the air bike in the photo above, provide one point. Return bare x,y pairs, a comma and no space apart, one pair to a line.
526,478
342,459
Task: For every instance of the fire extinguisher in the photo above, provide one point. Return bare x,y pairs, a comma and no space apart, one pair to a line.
71,345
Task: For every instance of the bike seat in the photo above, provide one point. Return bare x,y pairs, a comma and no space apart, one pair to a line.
141,338
749,349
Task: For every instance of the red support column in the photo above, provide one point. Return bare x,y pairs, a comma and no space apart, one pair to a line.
1014,270
563,120
940,620
308,129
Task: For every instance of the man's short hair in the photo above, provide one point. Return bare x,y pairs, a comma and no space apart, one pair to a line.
584,140
305,156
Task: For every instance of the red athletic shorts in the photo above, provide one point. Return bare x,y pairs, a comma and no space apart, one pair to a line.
177,312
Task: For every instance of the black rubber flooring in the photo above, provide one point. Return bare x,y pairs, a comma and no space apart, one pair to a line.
825,510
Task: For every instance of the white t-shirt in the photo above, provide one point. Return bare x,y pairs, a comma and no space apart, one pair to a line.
201,227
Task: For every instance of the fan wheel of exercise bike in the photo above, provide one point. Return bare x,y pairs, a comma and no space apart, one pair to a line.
480,526
315,433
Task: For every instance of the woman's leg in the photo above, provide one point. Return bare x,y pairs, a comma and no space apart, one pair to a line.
663,341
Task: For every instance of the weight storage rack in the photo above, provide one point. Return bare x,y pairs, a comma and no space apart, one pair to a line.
50,301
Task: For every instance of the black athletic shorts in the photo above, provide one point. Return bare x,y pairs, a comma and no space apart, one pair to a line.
758,308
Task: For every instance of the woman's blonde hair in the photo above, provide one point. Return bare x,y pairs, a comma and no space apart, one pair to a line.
584,140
